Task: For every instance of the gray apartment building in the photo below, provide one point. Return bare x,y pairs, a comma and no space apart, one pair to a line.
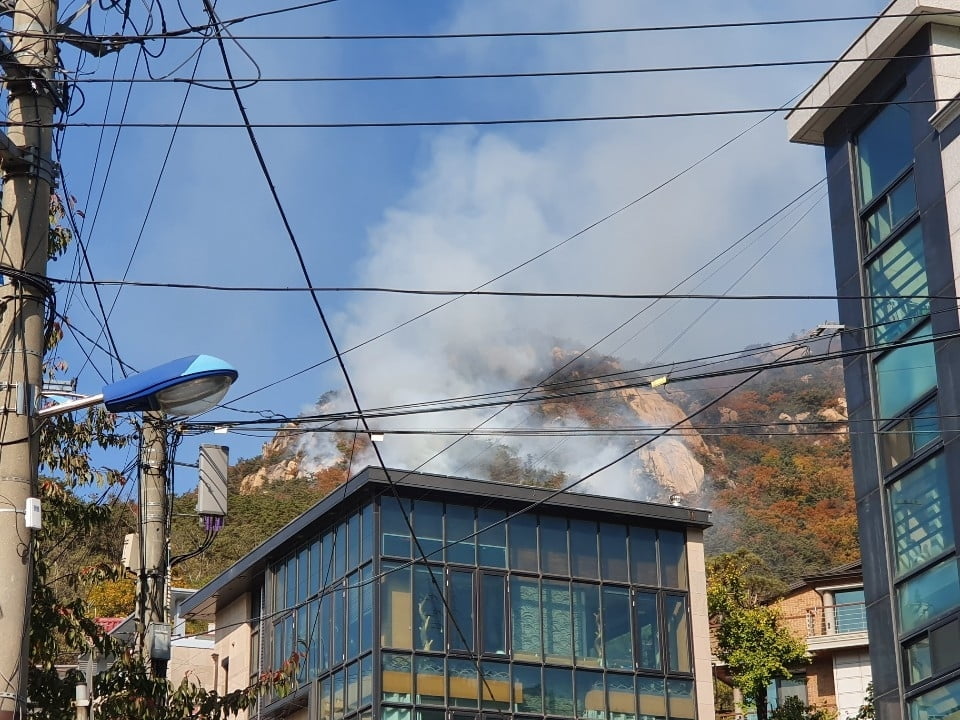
886,115
428,597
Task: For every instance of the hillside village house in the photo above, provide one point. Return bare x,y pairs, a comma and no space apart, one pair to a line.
585,606
888,117
827,612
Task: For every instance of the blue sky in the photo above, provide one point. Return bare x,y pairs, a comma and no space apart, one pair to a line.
449,207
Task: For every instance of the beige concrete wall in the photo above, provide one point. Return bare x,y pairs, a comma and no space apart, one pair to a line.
232,640
196,664
700,625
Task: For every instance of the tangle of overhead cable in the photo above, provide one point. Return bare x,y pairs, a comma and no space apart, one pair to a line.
47,295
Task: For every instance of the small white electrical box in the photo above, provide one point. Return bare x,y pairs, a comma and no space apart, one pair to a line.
130,558
31,513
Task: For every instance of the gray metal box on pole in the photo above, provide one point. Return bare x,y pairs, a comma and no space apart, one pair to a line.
212,487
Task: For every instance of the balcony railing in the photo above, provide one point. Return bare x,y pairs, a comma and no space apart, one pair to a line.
830,620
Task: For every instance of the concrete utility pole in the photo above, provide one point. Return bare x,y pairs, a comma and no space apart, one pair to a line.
153,626
24,223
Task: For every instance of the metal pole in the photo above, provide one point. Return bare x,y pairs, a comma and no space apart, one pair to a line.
153,628
24,227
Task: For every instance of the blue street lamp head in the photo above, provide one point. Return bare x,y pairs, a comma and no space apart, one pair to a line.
184,387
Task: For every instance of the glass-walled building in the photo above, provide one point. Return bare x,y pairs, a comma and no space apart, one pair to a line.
439,598
887,117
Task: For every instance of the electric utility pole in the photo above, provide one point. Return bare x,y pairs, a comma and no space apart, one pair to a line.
25,162
153,627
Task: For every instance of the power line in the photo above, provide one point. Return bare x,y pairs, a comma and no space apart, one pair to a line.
557,119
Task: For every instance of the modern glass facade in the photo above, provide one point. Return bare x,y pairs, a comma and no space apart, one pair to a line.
895,271
446,606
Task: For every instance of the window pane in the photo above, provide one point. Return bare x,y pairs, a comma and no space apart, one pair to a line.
613,552
621,697
884,148
588,634
429,609
904,439
945,646
339,621
338,694
495,685
897,278
583,549
460,624
651,697
353,686
316,568
643,556
850,611
353,615
523,543
932,592
492,543
323,634
905,374
678,633
397,682
528,689
428,525
943,702
648,631
553,545
558,692
393,528
396,607
460,525
366,533
366,608
673,559
617,641
591,699
366,680
430,680
353,542
918,659
557,624
303,572
462,685
680,694
525,618
324,700
339,551
493,618
920,511
900,203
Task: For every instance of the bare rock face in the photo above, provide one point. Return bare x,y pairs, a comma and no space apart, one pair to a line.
281,462
674,467
728,415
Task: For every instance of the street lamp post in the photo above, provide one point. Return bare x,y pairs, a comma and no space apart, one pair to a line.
181,388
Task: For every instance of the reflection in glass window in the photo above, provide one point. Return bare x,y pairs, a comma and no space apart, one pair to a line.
428,611
898,287
899,204
918,659
943,702
553,545
651,698
339,551
430,680
905,374
493,616
904,439
396,677
617,640
339,701
621,697
643,556
523,542
393,528
353,541
366,680
316,569
462,683
460,599
428,525
324,698
366,608
528,689
648,631
366,533
339,621
591,701
353,615
495,685
680,695
492,543
920,511
587,631
583,549
353,686
678,633
884,148
673,559
927,595
557,626
613,552
525,618
396,607
558,691
323,633
460,525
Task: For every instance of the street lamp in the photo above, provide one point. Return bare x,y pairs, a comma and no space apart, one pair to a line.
184,387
